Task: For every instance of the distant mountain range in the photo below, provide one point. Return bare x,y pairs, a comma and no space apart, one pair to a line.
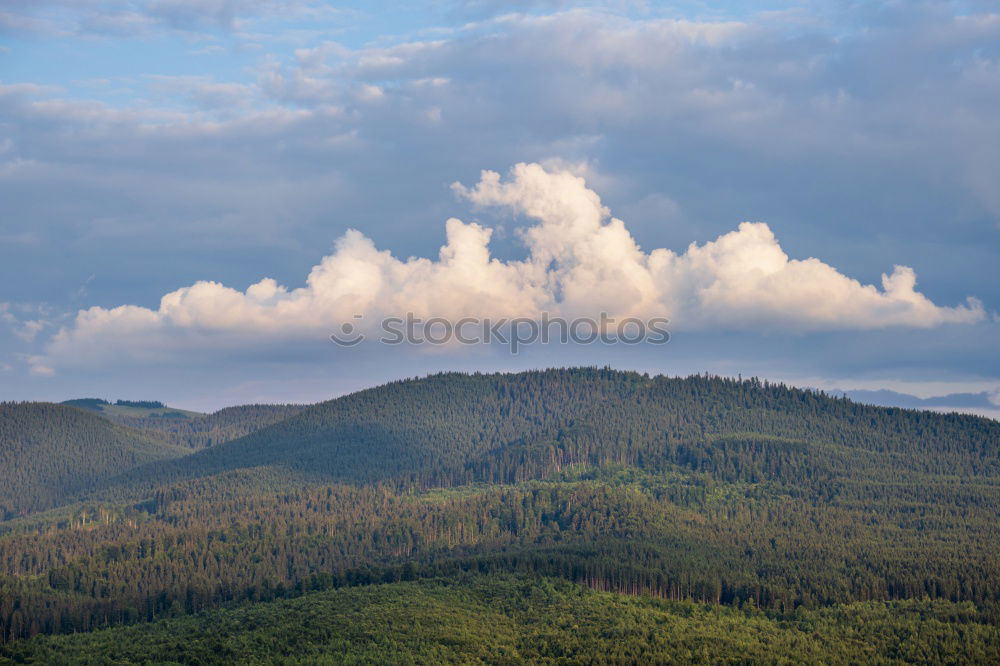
184,427
51,453
127,412
983,404
130,408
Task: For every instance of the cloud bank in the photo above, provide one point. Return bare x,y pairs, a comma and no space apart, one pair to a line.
580,261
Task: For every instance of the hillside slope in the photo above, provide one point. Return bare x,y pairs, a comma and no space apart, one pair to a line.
453,429
198,431
50,453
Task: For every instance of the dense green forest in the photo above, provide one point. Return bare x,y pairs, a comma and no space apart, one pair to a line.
50,453
770,504
186,428
514,619
130,408
209,429
454,429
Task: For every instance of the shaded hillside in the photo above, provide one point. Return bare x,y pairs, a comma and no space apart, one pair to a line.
454,429
49,453
201,431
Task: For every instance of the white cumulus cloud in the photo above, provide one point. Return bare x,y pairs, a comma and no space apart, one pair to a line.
580,261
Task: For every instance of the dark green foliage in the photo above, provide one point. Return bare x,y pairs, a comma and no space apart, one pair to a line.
86,403
141,404
509,619
210,429
454,429
51,453
260,535
705,490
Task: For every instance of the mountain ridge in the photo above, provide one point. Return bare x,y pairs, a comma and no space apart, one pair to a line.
53,452
394,432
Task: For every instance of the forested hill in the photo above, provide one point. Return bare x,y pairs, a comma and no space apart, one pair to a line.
701,489
49,453
452,429
200,431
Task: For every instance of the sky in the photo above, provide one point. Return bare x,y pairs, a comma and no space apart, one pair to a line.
195,194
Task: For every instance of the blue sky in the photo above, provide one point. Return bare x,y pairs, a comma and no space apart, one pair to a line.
149,147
